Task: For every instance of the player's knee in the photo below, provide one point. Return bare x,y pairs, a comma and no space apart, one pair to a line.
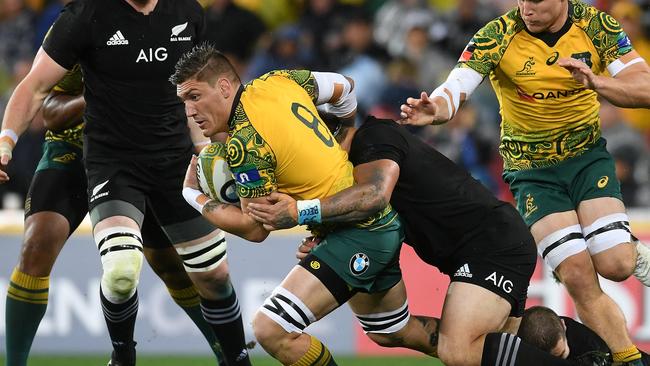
618,270
268,334
452,353
121,280
120,250
37,257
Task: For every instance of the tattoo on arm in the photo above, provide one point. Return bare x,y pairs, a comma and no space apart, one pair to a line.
432,326
357,202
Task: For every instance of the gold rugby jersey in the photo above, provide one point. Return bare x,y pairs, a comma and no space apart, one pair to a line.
546,116
71,83
278,142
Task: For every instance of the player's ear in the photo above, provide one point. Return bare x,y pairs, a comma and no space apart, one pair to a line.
225,87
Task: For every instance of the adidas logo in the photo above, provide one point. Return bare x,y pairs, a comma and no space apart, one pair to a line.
463,271
117,39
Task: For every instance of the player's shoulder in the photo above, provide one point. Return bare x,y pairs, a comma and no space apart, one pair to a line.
81,8
502,27
592,20
299,76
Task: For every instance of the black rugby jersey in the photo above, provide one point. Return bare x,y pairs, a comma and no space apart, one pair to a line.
126,58
442,205
582,339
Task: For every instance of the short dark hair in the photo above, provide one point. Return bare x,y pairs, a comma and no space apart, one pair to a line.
204,63
541,327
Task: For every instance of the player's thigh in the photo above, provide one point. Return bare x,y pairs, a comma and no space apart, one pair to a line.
383,313
116,193
54,208
469,312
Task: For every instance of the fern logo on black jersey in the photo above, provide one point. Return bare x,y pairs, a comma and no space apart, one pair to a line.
527,69
176,31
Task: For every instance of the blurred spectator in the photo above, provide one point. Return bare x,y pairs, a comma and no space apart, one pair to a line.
233,30
629,15
286,49
395,18
452,31
320,22
16,33
402,83
629,152
45,18
362,60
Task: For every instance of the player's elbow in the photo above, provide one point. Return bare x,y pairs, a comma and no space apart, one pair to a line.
256,236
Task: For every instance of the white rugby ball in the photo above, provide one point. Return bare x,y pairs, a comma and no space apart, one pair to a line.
215,179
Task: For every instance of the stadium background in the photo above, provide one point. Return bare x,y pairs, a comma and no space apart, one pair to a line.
393,49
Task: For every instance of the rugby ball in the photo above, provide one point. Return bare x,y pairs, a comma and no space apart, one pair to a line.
215,179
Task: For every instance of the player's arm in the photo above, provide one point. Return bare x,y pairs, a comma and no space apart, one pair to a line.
227,217
445,100
25,102
335,93
371,193
629,85
62,110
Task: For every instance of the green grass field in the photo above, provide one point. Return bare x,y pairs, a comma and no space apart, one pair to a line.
204,361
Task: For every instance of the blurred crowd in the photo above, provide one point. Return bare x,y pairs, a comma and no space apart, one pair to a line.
393,49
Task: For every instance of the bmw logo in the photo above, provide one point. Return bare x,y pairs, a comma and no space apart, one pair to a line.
359,263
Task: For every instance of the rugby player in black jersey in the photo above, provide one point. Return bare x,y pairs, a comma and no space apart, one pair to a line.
55,205
560,335
453,223
136,147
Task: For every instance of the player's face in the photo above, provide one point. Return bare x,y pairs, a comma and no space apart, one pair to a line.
206,104
561,349
543,15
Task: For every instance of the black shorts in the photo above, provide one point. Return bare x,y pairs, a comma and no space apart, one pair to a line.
500,258
59,190
134,187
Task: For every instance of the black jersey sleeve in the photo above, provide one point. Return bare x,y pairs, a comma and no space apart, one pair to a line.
69,34
581,339
376,140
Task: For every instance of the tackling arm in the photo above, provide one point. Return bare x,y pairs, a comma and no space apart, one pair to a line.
371,193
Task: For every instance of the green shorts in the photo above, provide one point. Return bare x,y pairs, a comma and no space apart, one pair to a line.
543,191
60,155
366,259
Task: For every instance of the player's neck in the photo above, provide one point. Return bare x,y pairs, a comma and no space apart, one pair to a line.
143,6
561,20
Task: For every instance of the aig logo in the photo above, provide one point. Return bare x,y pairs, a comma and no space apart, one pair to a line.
500,281
151,55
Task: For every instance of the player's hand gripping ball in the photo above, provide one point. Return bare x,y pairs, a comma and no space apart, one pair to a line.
215,179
